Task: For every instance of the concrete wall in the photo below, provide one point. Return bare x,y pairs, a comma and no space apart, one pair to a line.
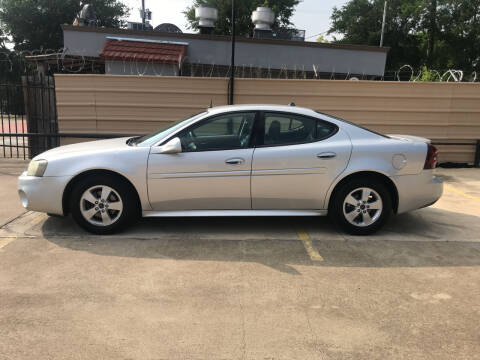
340,59
443,112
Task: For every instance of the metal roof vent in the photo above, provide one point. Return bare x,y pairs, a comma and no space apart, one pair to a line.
206,15
263,18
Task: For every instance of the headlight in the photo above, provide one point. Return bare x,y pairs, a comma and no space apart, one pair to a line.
37,168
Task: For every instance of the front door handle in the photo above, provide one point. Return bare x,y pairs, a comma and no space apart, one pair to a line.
326,155
235,161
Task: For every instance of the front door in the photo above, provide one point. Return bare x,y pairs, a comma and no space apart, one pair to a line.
296,162
213,170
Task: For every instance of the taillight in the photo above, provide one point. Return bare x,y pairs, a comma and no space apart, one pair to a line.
432,157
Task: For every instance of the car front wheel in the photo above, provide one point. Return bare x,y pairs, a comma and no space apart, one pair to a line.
361,207
103,204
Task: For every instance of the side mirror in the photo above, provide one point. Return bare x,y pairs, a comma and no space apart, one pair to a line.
174,146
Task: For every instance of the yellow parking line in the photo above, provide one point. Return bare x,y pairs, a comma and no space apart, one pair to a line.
451,188
5,240
307,243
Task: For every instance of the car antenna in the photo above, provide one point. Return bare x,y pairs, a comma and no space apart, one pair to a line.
292,104
211,104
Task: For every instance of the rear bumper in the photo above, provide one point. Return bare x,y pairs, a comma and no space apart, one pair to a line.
418,191
43,194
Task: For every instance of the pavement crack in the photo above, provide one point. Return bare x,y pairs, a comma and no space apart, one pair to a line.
12,220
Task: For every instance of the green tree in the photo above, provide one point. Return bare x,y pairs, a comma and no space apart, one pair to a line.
360,22
6,64
35,24
283,9
11,65
458,42
427,76
3,40
322,39
442,34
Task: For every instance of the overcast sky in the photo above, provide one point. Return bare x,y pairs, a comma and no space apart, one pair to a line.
311,15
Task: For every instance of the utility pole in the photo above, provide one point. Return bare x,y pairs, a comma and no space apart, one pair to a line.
144,21
383,22
232,65
432,32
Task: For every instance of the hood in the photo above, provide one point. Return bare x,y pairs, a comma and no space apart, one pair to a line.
409,138
84,147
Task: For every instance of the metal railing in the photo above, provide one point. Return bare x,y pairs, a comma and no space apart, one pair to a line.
13,120
26,110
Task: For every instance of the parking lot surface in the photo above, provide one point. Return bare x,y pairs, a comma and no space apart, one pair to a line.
246,288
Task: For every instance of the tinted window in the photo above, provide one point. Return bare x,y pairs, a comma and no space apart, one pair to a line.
224,132
325,130
284,129
356,125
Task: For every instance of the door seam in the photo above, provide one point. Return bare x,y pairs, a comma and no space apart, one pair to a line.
251,173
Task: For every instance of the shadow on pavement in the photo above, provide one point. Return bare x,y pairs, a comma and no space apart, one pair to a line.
426,238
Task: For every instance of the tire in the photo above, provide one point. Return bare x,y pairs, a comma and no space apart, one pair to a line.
368,199
103,204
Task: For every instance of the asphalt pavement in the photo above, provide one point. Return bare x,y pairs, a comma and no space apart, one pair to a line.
243,288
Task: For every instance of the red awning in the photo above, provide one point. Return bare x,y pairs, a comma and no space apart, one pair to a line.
143,51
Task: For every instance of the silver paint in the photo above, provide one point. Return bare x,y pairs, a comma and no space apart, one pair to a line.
267,180
294,177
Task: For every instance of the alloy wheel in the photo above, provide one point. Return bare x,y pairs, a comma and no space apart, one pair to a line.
101,205
362,207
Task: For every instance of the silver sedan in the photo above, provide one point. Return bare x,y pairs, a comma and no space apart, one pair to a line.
249,160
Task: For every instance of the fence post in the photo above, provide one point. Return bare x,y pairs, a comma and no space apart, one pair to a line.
40,109
477,155
31,125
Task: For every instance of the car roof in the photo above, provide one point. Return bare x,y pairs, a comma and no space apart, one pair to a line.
263,107
345,125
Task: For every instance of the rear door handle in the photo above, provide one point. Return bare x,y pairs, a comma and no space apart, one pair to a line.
234,161
326,155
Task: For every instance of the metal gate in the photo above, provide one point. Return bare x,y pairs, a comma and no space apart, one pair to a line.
28,117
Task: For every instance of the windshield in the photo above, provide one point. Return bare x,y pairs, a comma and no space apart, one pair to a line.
151,139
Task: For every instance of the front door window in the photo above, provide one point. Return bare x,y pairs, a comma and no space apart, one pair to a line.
224,132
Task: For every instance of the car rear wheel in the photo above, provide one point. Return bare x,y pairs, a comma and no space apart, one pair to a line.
103,204
361,207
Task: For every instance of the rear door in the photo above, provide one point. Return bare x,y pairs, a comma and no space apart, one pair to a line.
295,161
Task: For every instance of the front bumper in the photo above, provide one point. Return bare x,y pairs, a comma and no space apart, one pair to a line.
418,191
43,194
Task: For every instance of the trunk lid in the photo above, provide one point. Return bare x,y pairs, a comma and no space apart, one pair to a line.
410,138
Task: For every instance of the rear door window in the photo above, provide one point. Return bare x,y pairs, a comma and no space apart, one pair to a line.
287,129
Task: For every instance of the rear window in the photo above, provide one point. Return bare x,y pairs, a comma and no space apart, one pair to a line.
353,124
